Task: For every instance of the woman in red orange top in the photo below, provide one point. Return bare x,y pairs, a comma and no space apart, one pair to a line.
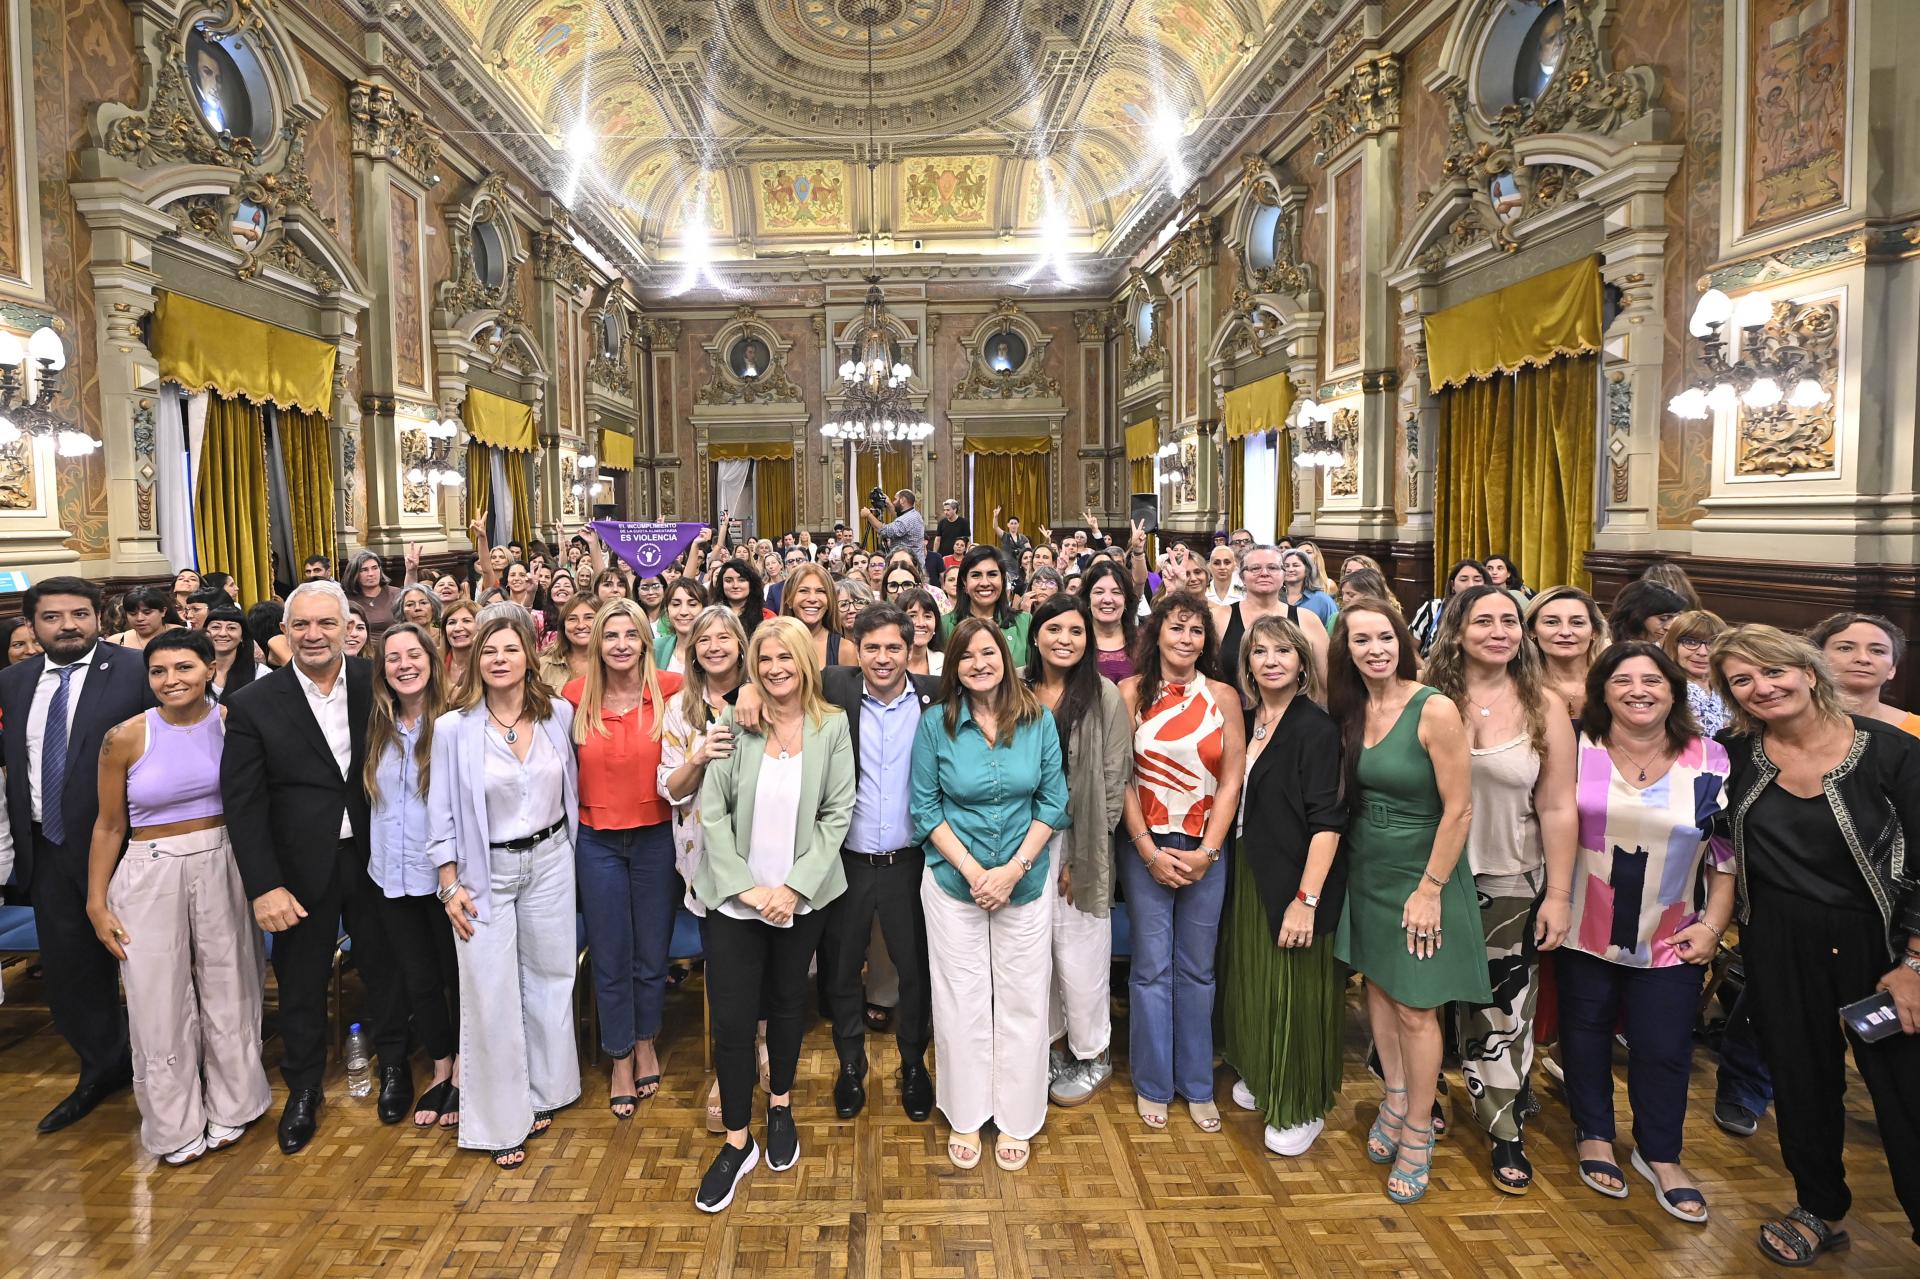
1189,759
624,854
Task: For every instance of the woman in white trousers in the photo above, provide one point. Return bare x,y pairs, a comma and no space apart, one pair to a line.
504,802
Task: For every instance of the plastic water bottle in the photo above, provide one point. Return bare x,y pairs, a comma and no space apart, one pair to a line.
359,1058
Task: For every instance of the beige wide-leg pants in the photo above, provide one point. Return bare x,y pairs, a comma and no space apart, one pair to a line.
1081,1007
195,969
992,972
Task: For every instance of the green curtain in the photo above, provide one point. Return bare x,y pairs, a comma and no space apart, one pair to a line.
891,470
1515,473
1014,482
479,479
520,494
305,443
230,498
773,497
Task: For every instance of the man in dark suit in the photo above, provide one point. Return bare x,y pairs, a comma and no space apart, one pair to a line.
297,815
56,709
883,704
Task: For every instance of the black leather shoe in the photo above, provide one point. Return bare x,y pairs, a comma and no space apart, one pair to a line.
916,1091
396,1093
850,1089
80,1102
298,1120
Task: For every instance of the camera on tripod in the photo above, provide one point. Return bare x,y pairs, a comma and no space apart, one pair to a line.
877,503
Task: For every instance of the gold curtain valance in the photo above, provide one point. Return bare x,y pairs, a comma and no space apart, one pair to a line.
616,450
1143,439
751,451
1007,444
1523,325
495,420
1258,406
208,348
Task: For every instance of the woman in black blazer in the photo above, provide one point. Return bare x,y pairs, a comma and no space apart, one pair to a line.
1281,996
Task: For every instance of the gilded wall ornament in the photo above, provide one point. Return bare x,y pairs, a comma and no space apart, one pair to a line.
1344,481
1365,104
385,129
1783,439
479,229
1192,248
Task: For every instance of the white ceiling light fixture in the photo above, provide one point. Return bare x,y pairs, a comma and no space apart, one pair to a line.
876,406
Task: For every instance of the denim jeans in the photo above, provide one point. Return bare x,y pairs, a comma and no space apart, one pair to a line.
1170,982
628,893
1743,1078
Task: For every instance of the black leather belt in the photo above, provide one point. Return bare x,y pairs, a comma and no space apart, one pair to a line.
884,859
534,840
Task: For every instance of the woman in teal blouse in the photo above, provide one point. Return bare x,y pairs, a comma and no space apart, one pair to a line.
988,793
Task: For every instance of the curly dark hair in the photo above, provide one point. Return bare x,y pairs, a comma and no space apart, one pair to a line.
1146,649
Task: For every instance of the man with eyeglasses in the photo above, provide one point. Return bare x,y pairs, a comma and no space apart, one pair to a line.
1241,541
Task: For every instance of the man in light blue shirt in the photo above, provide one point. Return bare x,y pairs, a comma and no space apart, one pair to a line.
883,704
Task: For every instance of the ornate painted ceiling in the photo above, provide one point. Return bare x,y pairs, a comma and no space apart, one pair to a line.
736,130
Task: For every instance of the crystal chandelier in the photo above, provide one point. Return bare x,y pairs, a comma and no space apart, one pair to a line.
876,400
1766,372
26,394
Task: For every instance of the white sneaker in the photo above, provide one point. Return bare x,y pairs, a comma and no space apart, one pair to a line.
1243,1096
219,1135
187,1153
1294,1141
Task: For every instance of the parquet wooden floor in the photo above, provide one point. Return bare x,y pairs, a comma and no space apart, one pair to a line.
1102,1197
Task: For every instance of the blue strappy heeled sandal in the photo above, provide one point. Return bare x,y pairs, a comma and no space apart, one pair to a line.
1398,1118
1418,1176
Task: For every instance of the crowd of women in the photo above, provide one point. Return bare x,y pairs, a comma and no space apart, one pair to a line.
1522,822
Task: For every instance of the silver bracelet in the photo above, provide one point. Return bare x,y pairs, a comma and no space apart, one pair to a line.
446,891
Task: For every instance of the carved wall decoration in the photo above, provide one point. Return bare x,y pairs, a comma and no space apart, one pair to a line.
669,499
409,310
1784,440
1191,249
145,443
484,213
350,473
387,130
609,366
1026,379
1365,104
1349,210
1344,481
18,489
1412,426
416,452
173,128
726,385
1619,433
559,261
1188,494
1796,109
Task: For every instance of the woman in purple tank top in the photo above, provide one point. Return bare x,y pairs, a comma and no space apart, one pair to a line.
170,908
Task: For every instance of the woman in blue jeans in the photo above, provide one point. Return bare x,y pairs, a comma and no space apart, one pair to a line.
628,888
1189,758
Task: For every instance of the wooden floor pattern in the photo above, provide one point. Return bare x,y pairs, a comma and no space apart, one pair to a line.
1103,1196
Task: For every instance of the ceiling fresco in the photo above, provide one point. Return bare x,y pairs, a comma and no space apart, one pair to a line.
732,130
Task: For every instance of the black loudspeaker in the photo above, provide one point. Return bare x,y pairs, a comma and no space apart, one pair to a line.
1146,511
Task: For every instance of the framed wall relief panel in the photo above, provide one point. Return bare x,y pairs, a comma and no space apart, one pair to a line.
408,288
1344,233
565,321
19,203
1793,93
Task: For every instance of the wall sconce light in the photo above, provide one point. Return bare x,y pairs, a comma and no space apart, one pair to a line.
1770,368
28,410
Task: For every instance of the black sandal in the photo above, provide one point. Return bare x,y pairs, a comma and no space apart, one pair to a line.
542,1120
677,973
511,1158
878,1018
1825,1239
451,1106
1511,1157
433,1102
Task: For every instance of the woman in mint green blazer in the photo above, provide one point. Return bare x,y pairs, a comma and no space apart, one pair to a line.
774,813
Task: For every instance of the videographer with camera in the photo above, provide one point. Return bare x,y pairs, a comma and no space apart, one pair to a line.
908,528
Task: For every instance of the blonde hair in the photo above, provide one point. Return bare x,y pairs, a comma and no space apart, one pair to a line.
594,690
1696,623
383,716
1598,620
1771,646
809,571
693,693
1277,629
509,617
792,635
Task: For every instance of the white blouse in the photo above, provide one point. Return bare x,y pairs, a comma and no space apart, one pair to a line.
524,797
776,811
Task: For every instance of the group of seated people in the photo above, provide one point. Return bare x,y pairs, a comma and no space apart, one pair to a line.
950,765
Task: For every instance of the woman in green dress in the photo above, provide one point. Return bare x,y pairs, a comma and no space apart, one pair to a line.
1409,792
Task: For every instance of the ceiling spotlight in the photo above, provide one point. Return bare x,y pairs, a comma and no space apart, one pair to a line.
580,141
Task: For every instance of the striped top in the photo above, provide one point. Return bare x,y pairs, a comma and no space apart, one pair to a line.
1178,747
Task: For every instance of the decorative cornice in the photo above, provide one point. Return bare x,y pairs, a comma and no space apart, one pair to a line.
1091,326
612,373
1192,248
1365,104
384,129
555,258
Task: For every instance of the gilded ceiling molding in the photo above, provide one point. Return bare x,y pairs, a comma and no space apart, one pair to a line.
1092,326
384,129
1364,105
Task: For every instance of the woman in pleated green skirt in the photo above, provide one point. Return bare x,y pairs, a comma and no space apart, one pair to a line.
1281,998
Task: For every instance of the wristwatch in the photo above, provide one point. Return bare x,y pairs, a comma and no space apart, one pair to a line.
1912,962
1213,854
1307,899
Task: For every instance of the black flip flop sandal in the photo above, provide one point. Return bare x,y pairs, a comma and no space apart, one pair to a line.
504,1159
1511,1157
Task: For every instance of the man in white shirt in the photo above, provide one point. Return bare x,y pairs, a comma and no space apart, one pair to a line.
56,708
297,815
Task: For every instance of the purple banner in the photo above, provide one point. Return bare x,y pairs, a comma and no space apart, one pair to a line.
646,547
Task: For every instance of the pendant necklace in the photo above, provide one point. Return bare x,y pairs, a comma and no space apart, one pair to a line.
1486,712
1260,730
1636,763
512,731
778,740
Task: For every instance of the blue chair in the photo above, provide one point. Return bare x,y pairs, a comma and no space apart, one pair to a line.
17,931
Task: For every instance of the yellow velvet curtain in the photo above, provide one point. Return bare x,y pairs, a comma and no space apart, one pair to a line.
308,450
496,420
207,348
773,511
519,493
479,479
1010,472
1236,463
1143,440
1515,472
616,450
230,498
1283,486
891,470
1526,325
750,450
1257,406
